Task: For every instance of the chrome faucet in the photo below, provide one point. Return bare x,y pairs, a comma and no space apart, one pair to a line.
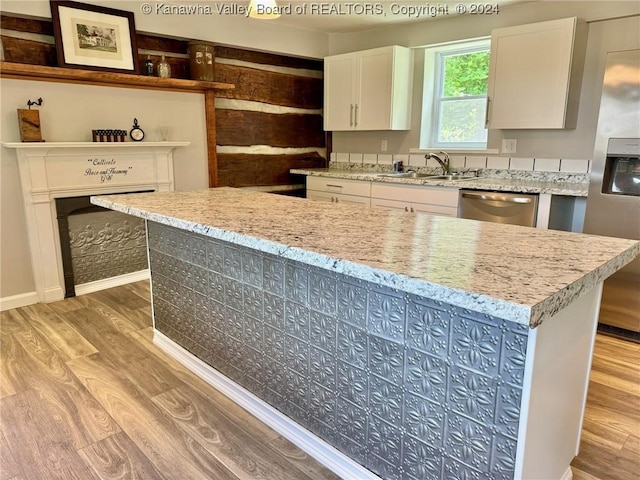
445,164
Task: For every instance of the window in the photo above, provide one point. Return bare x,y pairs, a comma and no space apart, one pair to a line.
455,95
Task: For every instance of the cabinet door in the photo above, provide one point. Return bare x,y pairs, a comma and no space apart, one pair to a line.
338,198
373,108
322,196
339,92
416,194
435,209
530,74
414,207
339,186
384,91
390,204
352,199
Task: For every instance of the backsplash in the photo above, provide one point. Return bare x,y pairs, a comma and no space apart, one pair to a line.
550,169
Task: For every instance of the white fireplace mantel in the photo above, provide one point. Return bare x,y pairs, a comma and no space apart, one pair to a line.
51,170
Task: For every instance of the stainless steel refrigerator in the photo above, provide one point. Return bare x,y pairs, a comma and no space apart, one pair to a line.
613,204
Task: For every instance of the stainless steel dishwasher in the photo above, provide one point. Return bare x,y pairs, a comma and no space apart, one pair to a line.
499,207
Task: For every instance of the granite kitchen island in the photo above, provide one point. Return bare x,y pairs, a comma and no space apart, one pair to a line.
418,346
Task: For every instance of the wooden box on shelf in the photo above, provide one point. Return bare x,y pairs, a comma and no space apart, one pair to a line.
29,125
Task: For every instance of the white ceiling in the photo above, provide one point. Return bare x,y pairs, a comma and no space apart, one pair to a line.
351,16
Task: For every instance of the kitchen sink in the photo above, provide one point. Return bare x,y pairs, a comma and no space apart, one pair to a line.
453,177
406,175
426,175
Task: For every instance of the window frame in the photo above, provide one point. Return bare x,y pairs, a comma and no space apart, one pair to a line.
433,85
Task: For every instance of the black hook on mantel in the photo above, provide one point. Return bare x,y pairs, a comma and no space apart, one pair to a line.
37,102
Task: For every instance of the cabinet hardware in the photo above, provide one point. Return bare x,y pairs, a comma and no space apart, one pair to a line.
496,197
351,115
411,209
334,186
406,209
486,113
355,117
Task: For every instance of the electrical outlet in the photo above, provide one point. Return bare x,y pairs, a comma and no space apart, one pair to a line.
383,146
509,145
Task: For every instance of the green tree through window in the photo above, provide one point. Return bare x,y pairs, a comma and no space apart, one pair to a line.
463,98
458,103
466,74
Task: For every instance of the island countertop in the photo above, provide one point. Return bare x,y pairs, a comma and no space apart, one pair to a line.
515,273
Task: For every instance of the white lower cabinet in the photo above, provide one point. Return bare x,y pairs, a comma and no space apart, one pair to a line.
410,198
333,190
554,212
338,198
414,207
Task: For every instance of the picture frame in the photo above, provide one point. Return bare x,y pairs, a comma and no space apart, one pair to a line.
93,37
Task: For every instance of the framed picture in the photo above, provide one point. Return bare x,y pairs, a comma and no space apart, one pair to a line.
94,37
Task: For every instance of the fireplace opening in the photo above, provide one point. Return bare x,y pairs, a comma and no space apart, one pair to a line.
97,243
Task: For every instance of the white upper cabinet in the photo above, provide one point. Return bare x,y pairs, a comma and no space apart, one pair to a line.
368,90
339,88
535,75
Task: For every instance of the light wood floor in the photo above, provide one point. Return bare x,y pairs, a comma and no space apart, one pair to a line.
610,447
84,394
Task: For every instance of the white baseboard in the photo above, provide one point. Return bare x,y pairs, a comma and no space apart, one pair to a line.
568,475
53,294
111,282
56,294
17,301
324,453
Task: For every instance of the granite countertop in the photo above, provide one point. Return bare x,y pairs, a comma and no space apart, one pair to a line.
521,185
516,273
274,188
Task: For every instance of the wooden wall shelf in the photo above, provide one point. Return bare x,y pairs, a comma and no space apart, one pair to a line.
89,77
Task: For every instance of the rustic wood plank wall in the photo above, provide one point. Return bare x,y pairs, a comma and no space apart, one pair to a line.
270,123
31,41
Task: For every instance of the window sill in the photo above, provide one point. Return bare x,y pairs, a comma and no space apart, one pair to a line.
493,151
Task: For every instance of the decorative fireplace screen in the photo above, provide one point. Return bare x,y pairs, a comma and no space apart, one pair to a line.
97,243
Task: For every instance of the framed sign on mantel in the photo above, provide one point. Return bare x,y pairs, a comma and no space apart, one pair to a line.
94,37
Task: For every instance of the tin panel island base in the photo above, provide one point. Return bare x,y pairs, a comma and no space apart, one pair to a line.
382,356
